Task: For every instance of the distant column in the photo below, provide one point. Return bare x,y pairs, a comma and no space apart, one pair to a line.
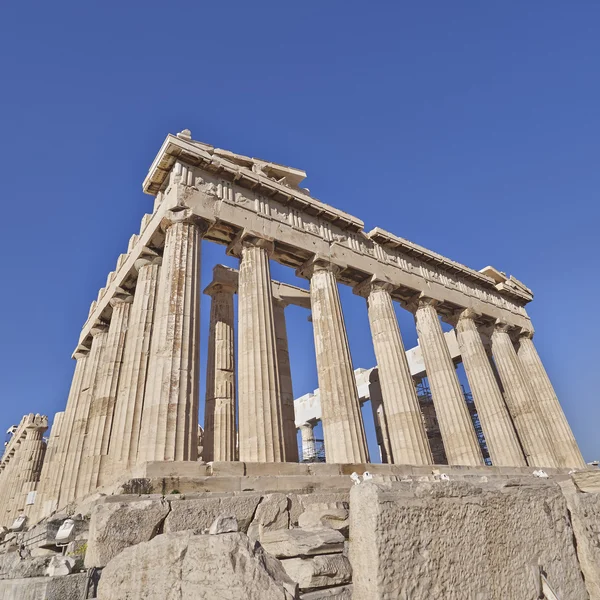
259,398
343,429
521,403
501,439
563,441
309,448
456,427
408,438
34,451
134,372
219,411
169,429
285,379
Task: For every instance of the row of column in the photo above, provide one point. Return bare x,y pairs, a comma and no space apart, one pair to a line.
22,470
514,398
134,393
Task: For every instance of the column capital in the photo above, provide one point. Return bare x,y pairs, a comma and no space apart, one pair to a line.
225,279
219,287
81,352
461,314
315,264
373,283
184,214
417,301
245,239
98,328
121,297
526,334
148,256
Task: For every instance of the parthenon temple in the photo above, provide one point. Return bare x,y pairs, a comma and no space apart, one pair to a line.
134,398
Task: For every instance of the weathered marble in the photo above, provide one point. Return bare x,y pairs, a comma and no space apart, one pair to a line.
458,433
563,442
521,403
501,439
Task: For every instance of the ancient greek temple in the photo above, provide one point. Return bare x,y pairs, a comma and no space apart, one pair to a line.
134,397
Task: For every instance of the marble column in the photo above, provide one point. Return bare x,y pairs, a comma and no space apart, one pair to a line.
219,410
501,439
456,427
49,468
132,382
259,397
521,404
407,435
33,448
169,429
103,398
13,486
343,429
285,379
565,447
74,450
380,421
309,448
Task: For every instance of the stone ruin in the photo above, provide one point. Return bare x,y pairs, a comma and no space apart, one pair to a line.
131,498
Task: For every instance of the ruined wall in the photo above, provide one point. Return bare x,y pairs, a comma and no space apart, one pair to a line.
470,541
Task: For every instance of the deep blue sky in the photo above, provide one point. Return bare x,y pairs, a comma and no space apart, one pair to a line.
471,128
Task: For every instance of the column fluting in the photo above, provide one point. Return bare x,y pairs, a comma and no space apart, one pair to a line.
285,379
343,429
219,411
408,439
456,427
500,436
169,429
380,421
309,448
564,444
259,397
530,427
132,382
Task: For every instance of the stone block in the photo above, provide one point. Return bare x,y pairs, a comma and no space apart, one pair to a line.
198,514
321,571
60,565
227,468
429,540
332,515
587,481
324,469
42,535
115,526
70,587
195,566
342,592
289,543
12,566
223,524
275,469
271,513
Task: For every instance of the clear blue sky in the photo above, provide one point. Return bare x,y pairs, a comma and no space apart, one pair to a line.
471,128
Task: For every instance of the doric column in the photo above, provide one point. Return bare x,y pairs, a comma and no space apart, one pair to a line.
103,397
34,451
219,410
501,439
49,467
285,379
13,482
408,439
380,421
132,382
309,448
343,429
565,447
76,441
170,417
259,398
456,427
530,427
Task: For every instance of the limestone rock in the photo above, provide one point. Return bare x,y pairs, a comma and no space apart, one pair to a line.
194,567
332,515
223,524
272,513
417,542
343,592
320,571
12,566
60,565
69,587
116,525
302,542
198,514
